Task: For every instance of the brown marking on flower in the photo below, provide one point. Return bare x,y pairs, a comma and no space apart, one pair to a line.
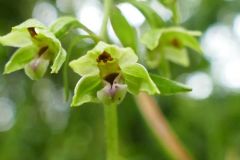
32,31
111,77
104,57
176,43
42,50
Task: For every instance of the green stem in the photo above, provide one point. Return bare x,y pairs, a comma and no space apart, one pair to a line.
65,68
92,34
107,9
111,131
176,16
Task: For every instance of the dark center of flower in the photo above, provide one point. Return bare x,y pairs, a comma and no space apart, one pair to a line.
104,57
32,31
175,42
42,50
111,77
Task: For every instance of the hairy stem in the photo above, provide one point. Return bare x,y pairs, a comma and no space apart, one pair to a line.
160,127
107,9
111,131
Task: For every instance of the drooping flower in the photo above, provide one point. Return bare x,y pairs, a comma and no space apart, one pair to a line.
108,72
37,48
170,43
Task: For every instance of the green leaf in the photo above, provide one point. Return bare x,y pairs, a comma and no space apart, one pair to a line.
125,32
169,87
86,90
151,38
36,68
58,61
175,55
151,16
63,25
138,79
20,58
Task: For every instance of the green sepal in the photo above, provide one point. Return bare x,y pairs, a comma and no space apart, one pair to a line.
87,64
86,90
137,79
124,31
175,55
16,39
169,87
20,58
187,38
58,61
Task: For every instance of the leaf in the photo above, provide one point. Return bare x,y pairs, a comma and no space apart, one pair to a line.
175,55
63,25
138,79
86,90
151,16
167,86
58,61
36,68
20,58
125,32
151,38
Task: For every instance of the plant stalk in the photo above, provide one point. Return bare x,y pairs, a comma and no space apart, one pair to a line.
160,127
111,131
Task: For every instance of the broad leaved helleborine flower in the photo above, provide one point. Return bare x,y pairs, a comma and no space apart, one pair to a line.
108,72
170,43
37,47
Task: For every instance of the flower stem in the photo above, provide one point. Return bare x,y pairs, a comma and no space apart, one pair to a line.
111,131
107,9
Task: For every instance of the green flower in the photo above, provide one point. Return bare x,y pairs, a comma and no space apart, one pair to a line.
37,47
171,44
108,72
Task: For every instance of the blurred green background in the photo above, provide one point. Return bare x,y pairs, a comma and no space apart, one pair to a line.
37,124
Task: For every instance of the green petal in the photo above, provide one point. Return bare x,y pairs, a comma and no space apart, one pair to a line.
57,53
87,64
86,90
58,61
36,68
151,38
29,23
138,79
16,38
178,56
169,87
186,37
20,58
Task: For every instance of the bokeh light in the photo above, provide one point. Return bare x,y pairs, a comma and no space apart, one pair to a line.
201,85
45,12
